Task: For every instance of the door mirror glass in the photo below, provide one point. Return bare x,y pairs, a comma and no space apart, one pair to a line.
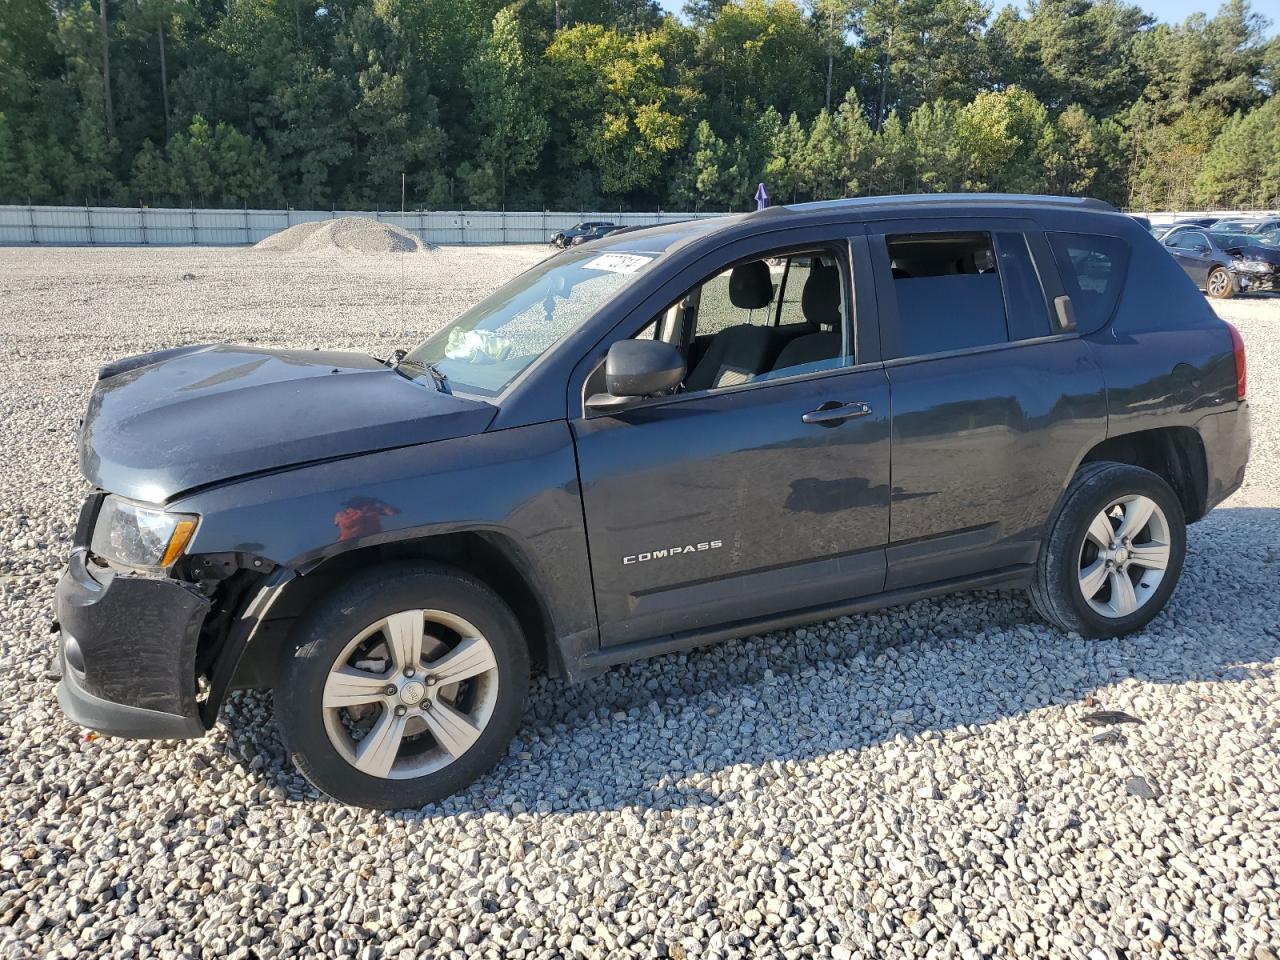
635,369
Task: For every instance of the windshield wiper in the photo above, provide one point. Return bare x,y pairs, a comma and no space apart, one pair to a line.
398,360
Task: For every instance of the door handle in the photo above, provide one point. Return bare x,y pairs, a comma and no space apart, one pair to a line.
833,412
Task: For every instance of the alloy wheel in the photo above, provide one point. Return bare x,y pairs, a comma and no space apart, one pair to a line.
1124,556
410,694
1219,281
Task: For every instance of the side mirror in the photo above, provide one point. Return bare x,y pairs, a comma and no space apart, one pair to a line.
635,369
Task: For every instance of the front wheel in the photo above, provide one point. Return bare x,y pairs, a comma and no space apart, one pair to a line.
403,687
1219,285
1113,554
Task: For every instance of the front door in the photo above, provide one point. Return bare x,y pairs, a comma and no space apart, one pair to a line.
1192,251
762,486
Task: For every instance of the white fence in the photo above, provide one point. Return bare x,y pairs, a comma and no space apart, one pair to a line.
117,226
120,226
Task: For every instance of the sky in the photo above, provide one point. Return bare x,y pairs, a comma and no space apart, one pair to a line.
1170,11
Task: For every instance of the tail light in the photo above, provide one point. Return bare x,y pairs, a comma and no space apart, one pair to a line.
1237,347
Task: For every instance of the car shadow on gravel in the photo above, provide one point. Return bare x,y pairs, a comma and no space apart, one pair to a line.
647,735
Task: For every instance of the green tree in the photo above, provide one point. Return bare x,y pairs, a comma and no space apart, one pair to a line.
1080,156
205,164
714,172
922,50
1169,158
833,19
1217,64
619,103
10,176
579,102
1072,51
1200,73
1242,167
785,168
893,168
936,150
858,143
756,54
999,134
826,158
508,109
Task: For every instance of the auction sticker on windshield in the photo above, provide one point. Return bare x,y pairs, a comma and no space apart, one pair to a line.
617,262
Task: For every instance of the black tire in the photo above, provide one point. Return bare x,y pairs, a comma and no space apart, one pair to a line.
1056,592
1220,281
324,634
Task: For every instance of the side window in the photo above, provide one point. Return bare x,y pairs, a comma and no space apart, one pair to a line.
718,311
948,292
1024,296
1093,269
732,320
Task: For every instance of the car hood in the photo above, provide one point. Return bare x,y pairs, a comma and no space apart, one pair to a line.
1265,254
163,423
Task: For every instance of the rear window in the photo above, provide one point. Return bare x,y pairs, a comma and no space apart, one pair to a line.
1093,269
948,292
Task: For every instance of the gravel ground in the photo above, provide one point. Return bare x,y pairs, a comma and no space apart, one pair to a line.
915,782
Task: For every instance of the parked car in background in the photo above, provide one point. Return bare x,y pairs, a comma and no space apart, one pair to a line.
581,232
1257,225
1163,230
603,230
677,437
1224,264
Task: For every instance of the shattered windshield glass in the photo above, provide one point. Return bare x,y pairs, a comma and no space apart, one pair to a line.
489,345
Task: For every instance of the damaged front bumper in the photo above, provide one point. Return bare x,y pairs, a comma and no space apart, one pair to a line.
1257,282
127,649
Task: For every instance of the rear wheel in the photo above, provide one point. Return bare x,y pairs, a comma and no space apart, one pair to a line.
403,688
1219,285
1113,554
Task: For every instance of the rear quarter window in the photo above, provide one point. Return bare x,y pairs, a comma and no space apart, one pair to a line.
1093,269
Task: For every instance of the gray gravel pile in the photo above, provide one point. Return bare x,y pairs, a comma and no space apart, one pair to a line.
916,782
345,235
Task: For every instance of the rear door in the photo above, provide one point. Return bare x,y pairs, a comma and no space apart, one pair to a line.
993,403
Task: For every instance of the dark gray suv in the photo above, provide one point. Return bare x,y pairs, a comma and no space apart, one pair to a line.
664,438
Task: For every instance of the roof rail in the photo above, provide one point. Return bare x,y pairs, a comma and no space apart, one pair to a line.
924,199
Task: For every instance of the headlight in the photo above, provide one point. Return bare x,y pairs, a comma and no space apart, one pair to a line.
136,535
1253,266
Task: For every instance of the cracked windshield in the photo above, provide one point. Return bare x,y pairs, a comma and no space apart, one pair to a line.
488,346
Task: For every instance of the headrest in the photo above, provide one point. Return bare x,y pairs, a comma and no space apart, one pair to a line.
820,300
751,286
